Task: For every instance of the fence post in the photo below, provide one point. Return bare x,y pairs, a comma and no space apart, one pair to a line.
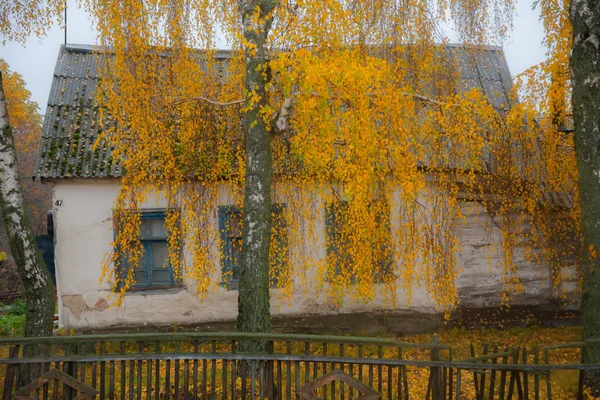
436,372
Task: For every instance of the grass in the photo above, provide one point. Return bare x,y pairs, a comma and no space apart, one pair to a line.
12,322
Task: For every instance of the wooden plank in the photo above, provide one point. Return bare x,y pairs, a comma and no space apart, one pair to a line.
458,388
111,385
548,377
139,371
481,395
233,372
102,371
213,370
177,370
168,380
10,373
288,371
475,379
123,370
220,336
149,380
380,369
536,377
525,375
195,378
186,379
131,379
158,349
493,377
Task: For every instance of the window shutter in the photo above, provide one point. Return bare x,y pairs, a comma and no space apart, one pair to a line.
337,249
279,242
154,269
230,242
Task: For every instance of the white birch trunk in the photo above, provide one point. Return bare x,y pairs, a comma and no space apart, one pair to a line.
39,290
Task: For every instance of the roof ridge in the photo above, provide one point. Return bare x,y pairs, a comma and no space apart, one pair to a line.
89,48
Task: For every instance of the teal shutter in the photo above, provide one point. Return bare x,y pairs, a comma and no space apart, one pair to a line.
231,241
337,246
159,271
384,258
153,270
335,243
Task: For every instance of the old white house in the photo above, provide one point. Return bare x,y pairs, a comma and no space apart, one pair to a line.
85,183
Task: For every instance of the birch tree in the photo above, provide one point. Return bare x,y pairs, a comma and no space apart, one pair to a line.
18,21
38,287
585,75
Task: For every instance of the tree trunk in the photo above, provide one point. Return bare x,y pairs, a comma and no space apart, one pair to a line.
253,302
39,290
585,74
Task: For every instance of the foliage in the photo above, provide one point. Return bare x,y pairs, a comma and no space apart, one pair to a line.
362,106
12,323
19,19
3,256
18,307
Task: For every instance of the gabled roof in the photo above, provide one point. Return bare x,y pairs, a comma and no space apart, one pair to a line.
71,127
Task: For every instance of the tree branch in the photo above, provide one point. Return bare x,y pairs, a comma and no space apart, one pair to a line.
280,124
214,103
423,98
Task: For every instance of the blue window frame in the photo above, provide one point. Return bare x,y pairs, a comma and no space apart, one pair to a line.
230,226
154,269
338,242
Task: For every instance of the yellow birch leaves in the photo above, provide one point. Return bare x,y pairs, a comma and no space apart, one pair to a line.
379,124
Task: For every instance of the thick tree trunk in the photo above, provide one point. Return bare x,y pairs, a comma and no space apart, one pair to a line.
253,303
39,290
585,74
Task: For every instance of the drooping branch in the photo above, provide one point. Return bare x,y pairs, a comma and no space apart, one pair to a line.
209,101
423,98
280,123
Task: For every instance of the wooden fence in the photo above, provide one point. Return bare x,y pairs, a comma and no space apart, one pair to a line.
278,366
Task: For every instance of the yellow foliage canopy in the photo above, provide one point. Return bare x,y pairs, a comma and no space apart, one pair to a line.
26,123
365,115
20,19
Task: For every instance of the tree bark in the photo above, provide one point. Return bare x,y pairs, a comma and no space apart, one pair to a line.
39,290
253,301
585,74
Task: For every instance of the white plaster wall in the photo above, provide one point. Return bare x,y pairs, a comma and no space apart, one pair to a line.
83,230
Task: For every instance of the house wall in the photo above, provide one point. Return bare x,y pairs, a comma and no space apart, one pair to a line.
83,230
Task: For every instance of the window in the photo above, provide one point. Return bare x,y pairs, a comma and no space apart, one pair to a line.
230,227
154,269
338,241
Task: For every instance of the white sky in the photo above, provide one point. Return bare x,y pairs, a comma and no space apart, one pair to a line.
36,60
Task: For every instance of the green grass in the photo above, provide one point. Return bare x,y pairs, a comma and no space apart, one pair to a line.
12,323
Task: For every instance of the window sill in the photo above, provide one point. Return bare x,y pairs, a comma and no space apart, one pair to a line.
156,290
230,285
236,285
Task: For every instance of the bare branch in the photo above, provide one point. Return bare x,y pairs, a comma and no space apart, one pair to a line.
423,98
214,103
281,121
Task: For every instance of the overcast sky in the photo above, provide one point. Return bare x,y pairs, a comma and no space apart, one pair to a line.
36,60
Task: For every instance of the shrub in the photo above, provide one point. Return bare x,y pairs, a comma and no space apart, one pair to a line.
12,323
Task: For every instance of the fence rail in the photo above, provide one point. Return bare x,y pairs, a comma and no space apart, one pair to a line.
272,366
